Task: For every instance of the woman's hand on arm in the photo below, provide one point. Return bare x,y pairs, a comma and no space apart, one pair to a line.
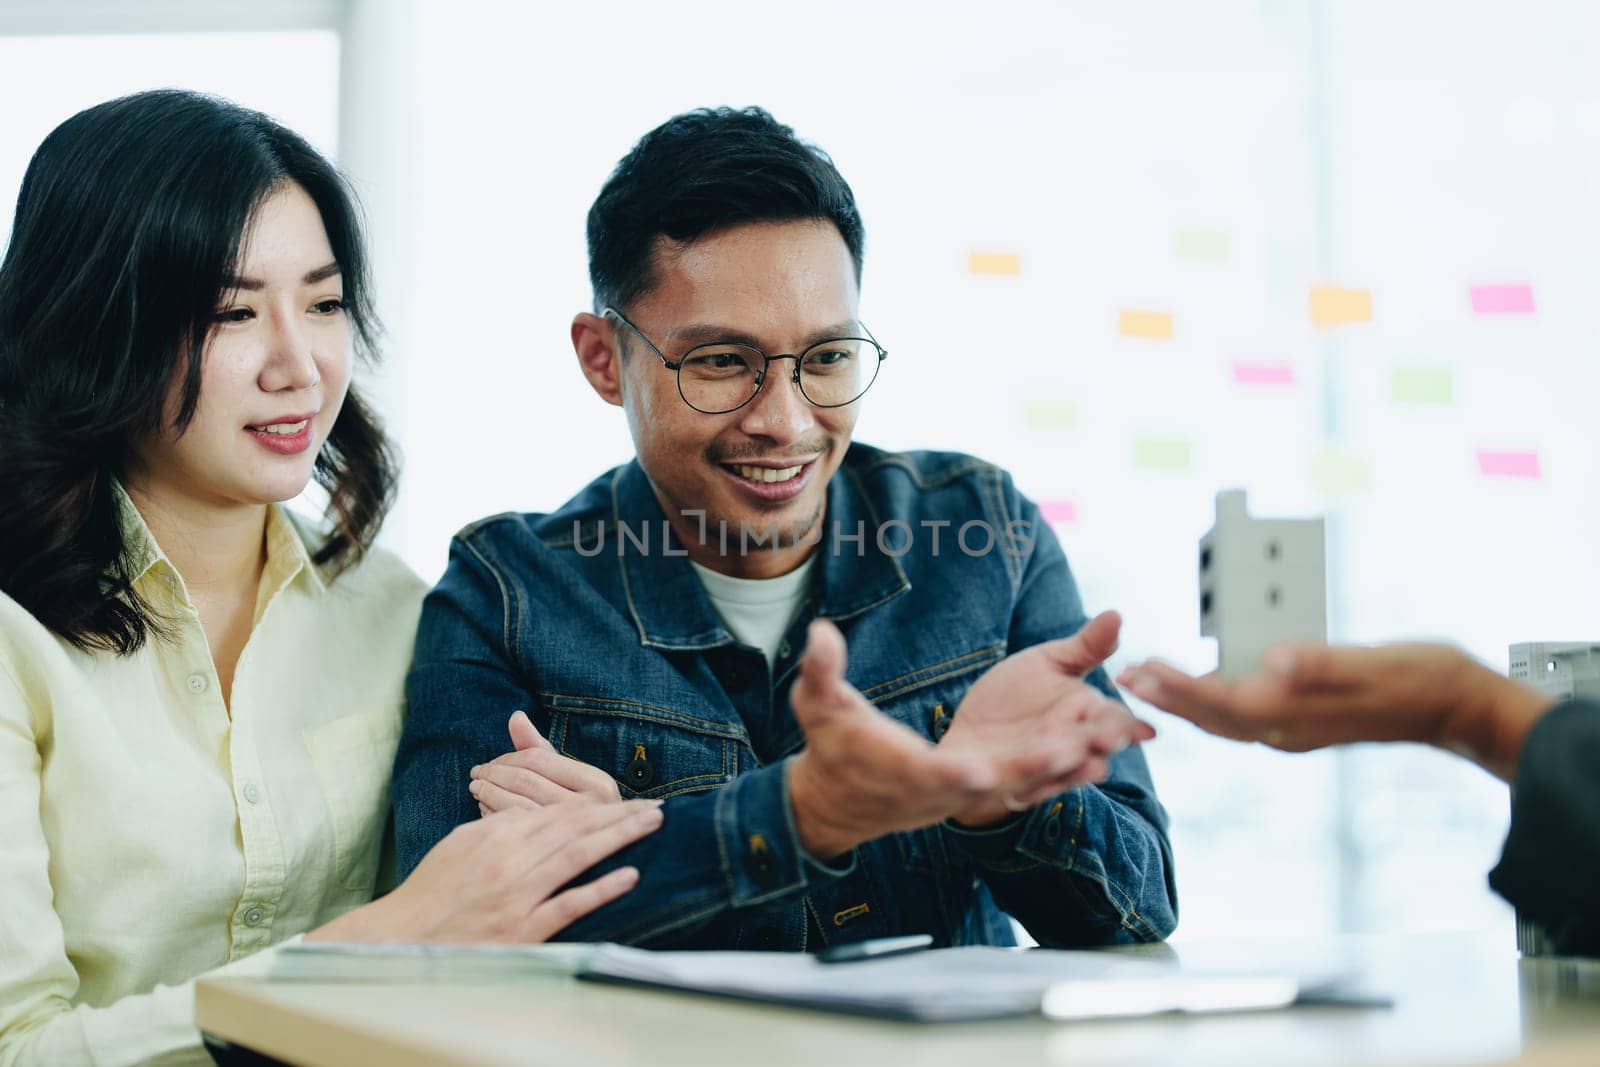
536,775
496,880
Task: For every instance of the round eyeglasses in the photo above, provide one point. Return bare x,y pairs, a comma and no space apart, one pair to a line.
724,376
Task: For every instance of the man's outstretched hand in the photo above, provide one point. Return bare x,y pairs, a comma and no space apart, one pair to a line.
1027,729
1040,724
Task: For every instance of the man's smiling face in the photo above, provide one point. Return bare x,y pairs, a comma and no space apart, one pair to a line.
780,287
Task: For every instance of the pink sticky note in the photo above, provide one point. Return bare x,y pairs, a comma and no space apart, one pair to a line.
1508,464
1263,373
1502,299
1056,512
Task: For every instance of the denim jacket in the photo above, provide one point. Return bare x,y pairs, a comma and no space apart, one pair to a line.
592,620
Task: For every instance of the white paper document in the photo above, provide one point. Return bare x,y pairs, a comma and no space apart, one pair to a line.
323,961
957,984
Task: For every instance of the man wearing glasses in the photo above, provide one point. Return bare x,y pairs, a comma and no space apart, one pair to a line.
678,630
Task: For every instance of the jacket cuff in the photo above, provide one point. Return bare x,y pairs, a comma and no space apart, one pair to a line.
1045,834
760,848
988,843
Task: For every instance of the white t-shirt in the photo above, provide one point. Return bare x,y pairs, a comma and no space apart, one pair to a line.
758,611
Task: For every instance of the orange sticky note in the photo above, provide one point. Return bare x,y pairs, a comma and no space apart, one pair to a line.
1151,325
994,263
1333,306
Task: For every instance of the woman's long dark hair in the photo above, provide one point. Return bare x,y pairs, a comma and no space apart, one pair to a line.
130,218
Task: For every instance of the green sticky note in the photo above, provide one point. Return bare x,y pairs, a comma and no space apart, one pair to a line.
1201,244
1050,415
1336,472
1423,385
1161,453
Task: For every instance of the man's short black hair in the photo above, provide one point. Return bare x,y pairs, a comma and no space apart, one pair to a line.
701,172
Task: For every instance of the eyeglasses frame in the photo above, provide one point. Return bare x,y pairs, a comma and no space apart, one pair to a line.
766,366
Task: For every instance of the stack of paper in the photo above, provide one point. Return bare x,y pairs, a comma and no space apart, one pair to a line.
947,985
330,962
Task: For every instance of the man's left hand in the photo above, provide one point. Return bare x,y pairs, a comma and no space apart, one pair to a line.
1037,699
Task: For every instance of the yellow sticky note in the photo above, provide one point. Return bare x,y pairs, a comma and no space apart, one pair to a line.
994,263
1333,306
1336,472
1151,325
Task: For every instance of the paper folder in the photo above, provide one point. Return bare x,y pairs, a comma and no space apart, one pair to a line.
969,984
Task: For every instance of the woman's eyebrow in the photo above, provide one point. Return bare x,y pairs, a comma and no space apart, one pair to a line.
312,277
322,273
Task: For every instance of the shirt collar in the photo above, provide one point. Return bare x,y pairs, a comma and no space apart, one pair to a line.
140,551
287,554
668,603
857,575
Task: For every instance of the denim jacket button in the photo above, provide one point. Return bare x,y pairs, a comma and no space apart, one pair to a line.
759,862
1052,829
640,773
941,723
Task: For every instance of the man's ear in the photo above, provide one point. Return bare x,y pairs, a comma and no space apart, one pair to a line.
599,356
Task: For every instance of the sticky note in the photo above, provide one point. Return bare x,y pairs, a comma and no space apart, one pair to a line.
1515,299
994,263
1161,453
1423,385
1056,512
1337,472
1268,373
1050,415
1151,325
1508,464
1333,306
1201,244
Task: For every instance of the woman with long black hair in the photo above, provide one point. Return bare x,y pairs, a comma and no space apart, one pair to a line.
200,691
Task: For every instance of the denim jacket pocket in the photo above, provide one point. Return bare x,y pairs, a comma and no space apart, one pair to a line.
926,701
648,755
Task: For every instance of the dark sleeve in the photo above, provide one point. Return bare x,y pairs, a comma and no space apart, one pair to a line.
1550,868
730,848
1092,866
459,694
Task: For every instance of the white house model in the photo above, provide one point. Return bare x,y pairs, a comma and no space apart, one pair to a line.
1564,669
1262,581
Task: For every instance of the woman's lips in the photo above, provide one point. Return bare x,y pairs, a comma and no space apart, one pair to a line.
289,437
